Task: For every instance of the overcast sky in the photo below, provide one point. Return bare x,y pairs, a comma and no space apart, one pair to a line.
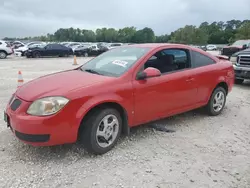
36,17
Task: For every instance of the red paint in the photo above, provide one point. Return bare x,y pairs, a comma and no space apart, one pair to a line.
152,72
144,100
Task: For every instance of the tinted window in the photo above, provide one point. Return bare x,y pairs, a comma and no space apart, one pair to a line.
115,62
199,60
169,60
179,55
56,46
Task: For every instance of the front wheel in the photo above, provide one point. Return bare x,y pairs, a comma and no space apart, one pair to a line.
36,54
217,101
101,131
239,81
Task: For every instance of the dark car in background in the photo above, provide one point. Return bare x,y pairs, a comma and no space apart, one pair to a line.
241,63
49,50
90,50
237,46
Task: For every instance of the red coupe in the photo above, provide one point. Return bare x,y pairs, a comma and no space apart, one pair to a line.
119,89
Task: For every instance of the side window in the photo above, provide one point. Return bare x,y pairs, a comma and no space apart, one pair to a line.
153,58
169,60
200,60
0,43
48,46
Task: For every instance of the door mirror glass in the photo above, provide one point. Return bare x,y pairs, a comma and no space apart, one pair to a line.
148,73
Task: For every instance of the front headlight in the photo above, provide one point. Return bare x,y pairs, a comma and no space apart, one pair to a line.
233,59
47,106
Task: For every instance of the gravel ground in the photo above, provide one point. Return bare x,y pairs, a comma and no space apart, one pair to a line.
202,152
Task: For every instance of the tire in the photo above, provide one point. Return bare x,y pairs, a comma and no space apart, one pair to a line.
3,55
238,81
85,54
89,130
36,54
211,109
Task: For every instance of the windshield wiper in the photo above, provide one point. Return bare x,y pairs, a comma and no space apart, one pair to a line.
92,71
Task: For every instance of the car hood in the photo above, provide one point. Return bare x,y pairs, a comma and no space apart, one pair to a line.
23,48
58,84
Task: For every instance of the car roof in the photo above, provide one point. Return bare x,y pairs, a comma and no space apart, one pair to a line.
157,45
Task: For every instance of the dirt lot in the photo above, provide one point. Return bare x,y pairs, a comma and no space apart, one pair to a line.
202,152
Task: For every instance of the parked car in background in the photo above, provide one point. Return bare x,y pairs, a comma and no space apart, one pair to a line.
241,63
90,50
111,93
17,44
5,49
22,50
113,45
237,46
211,47
49,50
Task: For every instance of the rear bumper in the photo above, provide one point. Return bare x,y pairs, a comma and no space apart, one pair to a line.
242,72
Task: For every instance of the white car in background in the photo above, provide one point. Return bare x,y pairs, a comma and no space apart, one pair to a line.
21,50
5,49
113,45
211,47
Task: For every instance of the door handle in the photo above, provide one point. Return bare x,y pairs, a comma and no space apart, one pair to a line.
190,80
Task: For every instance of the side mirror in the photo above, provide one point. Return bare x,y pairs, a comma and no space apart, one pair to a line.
244,47
148,73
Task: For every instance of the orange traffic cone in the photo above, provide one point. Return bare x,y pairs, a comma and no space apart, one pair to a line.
19,79
75,62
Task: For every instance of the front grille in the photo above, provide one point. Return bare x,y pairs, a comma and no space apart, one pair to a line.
244,60
15,104
229,51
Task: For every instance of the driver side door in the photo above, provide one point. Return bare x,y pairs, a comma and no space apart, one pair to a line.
158,97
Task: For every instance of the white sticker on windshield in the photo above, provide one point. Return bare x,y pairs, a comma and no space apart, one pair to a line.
121,63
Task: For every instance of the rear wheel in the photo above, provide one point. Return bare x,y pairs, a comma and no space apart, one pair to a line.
86,54
3,55
239,81
100,132
217,101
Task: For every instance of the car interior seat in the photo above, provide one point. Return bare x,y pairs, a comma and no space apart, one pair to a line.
166,63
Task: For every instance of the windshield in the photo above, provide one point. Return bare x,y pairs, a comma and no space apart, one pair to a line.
240,42
115,62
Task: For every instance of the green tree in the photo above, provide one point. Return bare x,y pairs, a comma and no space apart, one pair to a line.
162,38
243,32
189,35
126,34
145,35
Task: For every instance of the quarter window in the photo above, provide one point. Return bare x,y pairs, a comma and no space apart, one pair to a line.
200,60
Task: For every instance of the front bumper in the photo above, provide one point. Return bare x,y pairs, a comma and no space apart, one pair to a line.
28,54
40,131
241,72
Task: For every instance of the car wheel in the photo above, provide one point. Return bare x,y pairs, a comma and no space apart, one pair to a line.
101,131
3,55
238,81
86,54
36,55
217,101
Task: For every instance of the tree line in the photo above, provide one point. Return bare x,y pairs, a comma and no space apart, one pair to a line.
206,33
